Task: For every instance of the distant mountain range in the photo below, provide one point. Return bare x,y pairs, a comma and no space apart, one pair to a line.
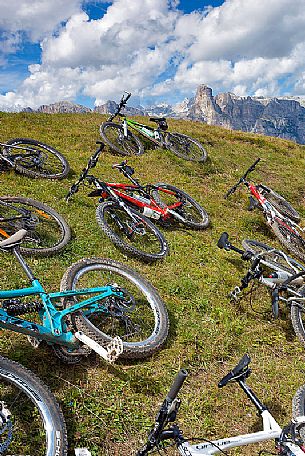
283,117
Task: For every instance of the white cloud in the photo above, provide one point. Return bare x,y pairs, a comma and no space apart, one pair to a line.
150,49
35,17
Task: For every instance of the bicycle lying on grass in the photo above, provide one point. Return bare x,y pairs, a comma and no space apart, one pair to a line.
126,209
281,217
47,231
31,422
33,159
122,141
282,274
288,440
102,305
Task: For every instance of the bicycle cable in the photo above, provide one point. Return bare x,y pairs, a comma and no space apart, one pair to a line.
267,452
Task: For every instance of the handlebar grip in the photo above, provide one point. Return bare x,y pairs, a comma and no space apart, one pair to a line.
230,191
177,384
252,167
225,380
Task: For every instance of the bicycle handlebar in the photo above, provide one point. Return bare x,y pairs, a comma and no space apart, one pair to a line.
176,385
121,105
242,179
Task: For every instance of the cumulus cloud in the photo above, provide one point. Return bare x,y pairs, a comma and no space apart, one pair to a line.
35,17
151,49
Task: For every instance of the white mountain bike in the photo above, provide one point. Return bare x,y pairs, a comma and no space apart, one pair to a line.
288,439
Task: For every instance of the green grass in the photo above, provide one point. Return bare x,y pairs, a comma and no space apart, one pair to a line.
110,408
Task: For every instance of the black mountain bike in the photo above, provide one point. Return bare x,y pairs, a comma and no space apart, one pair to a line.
47,231
122,141
33,159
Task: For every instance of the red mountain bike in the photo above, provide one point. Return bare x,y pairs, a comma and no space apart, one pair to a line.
279,214
126,210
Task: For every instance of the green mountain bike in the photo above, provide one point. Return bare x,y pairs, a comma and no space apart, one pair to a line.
123,142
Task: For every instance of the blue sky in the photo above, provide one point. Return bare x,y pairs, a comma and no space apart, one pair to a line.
160,50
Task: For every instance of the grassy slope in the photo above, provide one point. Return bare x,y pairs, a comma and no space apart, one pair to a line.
108,408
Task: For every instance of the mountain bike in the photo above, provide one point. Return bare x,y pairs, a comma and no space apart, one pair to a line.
33,159
288,440
281,217
47,231
126,209
102,306
274,269
122,141
31,422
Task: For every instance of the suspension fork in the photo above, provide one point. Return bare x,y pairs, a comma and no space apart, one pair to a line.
125,128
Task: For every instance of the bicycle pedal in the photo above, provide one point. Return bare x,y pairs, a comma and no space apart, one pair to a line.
110,353
34,341
82,452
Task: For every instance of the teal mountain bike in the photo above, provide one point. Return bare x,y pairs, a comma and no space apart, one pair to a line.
102,306
123,142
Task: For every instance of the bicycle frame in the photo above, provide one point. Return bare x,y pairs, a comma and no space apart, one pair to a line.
271,430
53,328
150,209
153,134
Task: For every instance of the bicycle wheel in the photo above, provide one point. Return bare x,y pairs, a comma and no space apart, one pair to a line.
48,232
36,159
289,237
136,235
143,326
189,213
273,260
298,317
298,408
185,147
38,426
279,203
113,135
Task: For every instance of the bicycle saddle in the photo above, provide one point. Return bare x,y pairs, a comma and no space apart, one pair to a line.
238,371
13,240
157,119
223,241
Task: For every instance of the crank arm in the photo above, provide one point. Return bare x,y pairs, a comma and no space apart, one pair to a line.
112,351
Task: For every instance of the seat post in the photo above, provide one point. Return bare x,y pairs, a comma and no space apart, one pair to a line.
253,398
23,264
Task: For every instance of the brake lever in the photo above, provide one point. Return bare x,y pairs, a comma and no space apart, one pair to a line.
73,189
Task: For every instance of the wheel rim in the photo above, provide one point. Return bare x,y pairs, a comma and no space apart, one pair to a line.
39,159
143,318
44,231
136,233
33,427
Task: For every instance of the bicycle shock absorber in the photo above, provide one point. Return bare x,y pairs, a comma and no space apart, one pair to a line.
16,307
